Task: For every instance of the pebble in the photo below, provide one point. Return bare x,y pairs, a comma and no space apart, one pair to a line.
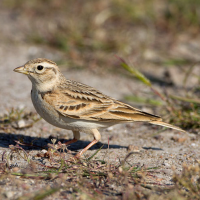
9,194
167,163
21,106
132,148
110,128
21,123
44,151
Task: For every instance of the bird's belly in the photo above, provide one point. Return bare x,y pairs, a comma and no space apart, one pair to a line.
48,113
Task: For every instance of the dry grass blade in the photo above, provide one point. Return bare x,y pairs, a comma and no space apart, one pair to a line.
135,72
92,156
32,176
141,77
143,101
179,113
189,100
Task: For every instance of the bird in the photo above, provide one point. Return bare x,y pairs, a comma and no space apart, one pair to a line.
72,105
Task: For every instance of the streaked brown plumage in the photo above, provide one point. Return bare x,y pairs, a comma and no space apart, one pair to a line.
71,105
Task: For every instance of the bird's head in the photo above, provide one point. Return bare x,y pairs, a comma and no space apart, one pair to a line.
42,72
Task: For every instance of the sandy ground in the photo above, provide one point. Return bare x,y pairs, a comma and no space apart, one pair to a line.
166,150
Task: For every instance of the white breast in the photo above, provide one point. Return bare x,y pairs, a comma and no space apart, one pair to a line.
44,109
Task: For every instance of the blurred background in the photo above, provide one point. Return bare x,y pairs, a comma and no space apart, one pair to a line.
89,33
160,38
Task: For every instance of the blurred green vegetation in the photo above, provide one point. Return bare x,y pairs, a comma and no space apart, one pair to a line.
183,111
102,25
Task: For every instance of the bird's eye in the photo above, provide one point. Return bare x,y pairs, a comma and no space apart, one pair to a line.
40,67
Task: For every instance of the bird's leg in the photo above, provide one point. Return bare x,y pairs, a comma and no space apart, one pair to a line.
75,139
97,137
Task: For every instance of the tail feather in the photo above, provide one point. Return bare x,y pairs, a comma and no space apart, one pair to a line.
166,125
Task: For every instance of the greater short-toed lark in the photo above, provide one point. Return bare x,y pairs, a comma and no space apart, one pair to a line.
75,106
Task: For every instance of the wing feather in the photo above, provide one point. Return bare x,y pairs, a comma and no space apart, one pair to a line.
94,106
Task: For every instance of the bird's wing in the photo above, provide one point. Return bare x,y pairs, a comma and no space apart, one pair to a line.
87,103
160,123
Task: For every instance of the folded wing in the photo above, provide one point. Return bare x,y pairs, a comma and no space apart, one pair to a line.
94,106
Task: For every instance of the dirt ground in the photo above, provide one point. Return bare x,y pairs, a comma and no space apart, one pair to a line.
167,150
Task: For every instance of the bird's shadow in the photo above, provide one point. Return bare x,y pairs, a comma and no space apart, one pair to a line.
34,143
7,139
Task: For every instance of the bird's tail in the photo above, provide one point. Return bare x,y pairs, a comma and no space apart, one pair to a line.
166,125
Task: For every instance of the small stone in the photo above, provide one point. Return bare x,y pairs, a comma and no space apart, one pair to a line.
114,137
132,148
158,137
110,128
167,163
44,151
21,123
110,175
21,106
120,169
181,140
9,194
32,182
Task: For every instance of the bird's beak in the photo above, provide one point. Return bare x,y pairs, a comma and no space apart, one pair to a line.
21,69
